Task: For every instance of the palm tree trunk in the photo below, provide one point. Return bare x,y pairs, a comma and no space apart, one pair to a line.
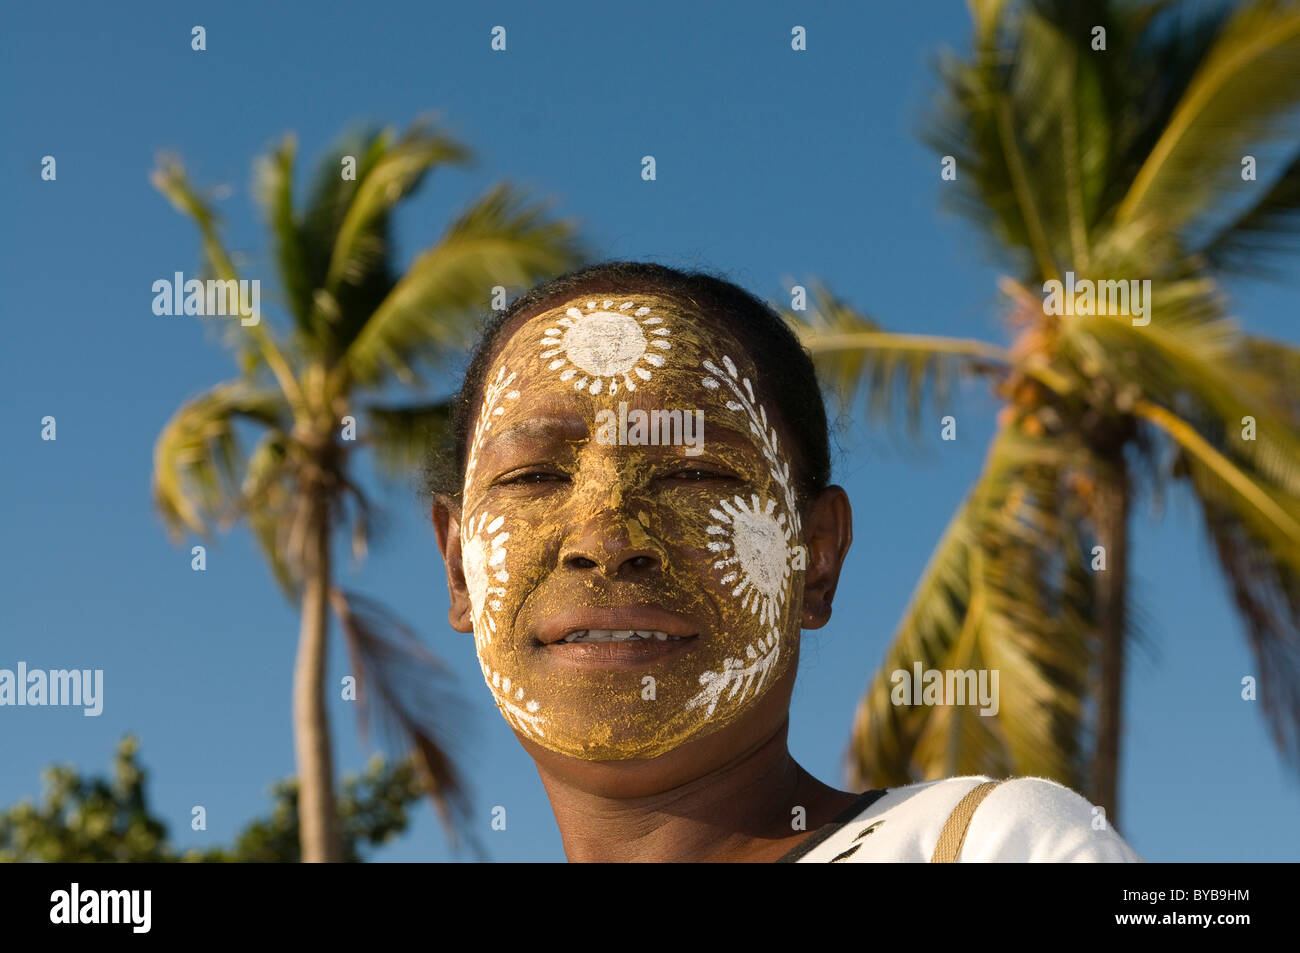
317,815
1112,589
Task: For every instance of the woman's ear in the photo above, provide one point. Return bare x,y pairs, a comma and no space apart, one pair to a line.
446,527
829,533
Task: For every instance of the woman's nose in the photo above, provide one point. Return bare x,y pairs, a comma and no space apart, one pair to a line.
617,547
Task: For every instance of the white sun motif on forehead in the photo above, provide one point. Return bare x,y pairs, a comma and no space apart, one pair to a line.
603,346
754,551
483,557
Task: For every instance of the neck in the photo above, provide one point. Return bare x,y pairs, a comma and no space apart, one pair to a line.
742,810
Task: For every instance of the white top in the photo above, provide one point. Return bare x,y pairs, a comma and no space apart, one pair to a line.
1021,820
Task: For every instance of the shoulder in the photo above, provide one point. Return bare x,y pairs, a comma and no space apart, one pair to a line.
1037,819
1021,820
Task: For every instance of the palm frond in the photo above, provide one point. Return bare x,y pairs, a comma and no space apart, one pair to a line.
254,344
1201,371
986,14
1029,121
1005,590
1051,136
381,185
899,371
1243,95
170,179
407,689
267,500
1272,370
501,240
1256,533
329,195
198,465
1266,230
273,186
404,436
358,272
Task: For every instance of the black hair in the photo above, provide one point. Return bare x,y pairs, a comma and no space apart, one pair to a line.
785,370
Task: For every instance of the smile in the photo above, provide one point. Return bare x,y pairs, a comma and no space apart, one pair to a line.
634,625
620,635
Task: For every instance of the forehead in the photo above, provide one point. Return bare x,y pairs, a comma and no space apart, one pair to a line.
619,345
561,373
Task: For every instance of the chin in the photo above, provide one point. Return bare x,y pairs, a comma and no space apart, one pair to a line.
661,765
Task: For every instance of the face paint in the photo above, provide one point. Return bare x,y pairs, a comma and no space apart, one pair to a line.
586,500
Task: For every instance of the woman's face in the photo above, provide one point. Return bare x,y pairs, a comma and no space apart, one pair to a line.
630,539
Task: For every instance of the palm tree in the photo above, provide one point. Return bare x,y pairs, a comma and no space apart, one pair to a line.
356,328
1122,163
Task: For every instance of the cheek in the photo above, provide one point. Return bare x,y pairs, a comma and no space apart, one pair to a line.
485,542
736,546
751,542
726,550
503,559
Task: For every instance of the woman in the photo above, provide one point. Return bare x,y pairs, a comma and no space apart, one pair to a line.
637,521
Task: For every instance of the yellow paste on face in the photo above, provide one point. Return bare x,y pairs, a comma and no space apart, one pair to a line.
725,549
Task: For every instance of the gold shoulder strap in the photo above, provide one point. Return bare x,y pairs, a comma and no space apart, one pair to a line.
953,834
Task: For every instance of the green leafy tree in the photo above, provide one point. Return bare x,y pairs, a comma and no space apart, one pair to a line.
355,330
373,810
87,819
96,819
1110,140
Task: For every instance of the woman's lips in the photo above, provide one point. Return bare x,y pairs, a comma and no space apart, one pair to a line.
614,635
631,637
627,619
624,654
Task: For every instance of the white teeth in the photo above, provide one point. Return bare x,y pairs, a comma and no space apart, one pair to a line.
619,635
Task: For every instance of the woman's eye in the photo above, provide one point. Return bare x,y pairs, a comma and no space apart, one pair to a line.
697,475
529,477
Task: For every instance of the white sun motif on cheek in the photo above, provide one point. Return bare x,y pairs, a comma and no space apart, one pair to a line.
755,551
483,555
753,541
606,347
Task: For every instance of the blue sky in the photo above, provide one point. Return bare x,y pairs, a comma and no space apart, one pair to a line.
770,164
